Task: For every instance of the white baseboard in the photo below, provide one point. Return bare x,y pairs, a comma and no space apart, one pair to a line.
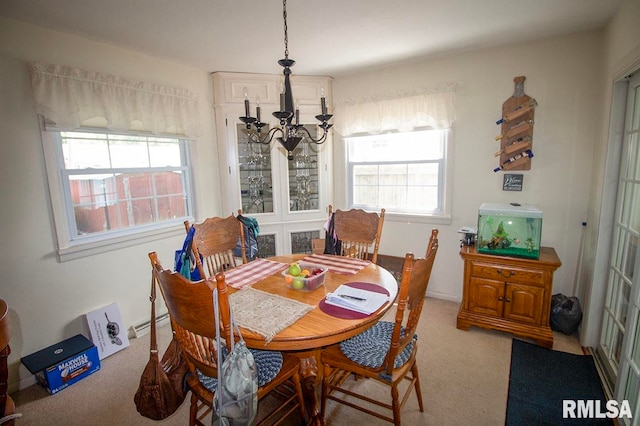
444,296
144,328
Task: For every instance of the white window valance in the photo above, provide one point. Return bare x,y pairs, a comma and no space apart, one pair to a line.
435,109
69,97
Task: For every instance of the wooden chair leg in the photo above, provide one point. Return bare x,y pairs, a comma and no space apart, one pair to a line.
395,405
325,390
193,409
297,384
416,377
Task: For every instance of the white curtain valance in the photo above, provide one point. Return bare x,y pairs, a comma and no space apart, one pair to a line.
402,113
70,96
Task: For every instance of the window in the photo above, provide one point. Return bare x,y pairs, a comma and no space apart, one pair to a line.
401,172
108,187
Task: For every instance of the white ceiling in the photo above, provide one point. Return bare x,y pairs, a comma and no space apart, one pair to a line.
326,37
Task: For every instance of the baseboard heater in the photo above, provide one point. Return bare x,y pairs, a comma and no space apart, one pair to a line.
144,328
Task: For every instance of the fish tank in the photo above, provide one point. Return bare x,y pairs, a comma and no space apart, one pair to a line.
509,229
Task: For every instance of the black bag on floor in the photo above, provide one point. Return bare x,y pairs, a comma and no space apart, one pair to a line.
566,313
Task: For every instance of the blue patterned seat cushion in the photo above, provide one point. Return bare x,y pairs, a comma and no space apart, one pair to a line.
268,364
371,346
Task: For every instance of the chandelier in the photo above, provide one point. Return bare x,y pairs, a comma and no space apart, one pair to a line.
290,131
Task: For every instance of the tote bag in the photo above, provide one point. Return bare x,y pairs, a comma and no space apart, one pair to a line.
184,261
235,402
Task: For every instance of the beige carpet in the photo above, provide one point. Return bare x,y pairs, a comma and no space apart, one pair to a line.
464,377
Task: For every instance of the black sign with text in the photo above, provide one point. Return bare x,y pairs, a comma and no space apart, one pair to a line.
512,182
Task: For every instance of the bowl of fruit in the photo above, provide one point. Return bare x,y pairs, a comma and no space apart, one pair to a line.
304,276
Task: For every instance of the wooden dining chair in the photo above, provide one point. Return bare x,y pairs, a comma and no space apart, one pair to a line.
215,239
385,352
358,232
190,306
7,406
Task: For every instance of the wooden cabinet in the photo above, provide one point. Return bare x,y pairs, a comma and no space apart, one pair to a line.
289,198
508,294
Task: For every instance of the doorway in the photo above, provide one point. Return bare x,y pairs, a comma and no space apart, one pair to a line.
619,347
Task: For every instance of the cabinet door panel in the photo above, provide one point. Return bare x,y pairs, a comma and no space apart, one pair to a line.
254,164
524,303
303,175
486,296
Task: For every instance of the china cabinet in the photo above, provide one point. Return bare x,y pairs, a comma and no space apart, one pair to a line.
508,294
287,197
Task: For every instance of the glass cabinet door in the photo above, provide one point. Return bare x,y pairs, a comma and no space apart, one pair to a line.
301,241
256,179
266,245
303,175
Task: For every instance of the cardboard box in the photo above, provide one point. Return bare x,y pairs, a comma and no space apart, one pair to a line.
64,363
106,330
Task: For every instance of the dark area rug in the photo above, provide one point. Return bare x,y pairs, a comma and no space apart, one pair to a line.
540,379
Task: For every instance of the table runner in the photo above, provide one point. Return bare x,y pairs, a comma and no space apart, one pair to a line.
339,264
252,272
265,313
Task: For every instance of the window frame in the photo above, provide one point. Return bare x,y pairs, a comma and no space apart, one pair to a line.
438,216
71,247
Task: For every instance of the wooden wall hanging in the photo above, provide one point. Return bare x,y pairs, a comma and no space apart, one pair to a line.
516,137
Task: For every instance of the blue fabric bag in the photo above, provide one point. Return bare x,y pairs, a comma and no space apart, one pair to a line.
184,260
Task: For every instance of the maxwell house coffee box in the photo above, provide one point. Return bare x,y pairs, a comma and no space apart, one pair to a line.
64,363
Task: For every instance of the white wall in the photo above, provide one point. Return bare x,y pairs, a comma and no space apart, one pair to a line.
564,75
47,299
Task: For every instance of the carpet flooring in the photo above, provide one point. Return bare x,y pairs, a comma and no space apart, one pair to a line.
540,379
464,376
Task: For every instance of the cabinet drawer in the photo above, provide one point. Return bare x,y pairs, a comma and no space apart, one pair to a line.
507,273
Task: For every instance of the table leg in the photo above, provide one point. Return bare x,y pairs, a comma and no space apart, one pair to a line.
310,379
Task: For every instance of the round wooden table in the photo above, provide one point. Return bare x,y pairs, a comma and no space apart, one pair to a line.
308,335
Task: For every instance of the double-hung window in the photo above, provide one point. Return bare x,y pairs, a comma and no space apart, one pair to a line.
116,156
109,187
397,153
401,172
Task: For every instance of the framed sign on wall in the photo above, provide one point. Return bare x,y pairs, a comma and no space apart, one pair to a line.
512,182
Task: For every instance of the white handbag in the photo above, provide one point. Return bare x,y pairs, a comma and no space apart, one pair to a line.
235,402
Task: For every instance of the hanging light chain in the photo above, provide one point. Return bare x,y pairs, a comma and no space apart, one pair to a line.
286,36
290,134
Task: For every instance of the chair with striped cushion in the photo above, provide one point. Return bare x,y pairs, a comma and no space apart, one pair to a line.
386,352
359,232
190,306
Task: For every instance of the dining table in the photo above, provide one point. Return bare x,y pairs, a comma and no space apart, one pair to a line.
274,316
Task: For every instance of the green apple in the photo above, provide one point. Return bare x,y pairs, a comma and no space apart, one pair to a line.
298,283
294,269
